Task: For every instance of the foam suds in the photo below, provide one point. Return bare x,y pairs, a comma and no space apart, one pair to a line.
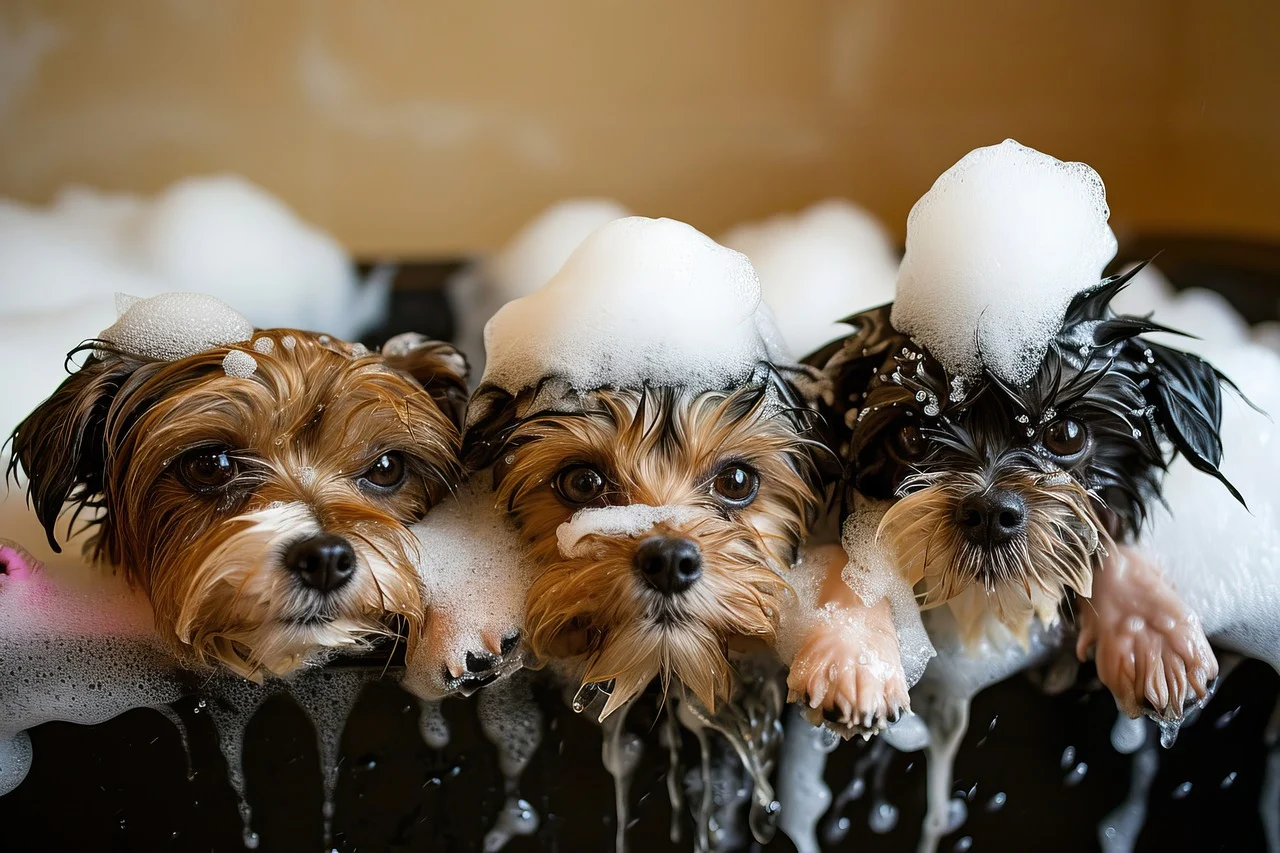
612,521
1118,832
173,326
526,262
826,262
474,581
620,752
512,721
996,249
239,364
943,697
639,301
872,575
803,794
1223,559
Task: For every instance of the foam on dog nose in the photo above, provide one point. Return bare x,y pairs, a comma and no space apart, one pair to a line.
641,301
626,520
996,249
827,262
172,326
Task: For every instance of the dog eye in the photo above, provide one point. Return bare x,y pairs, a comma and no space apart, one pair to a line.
579,484
909,443
208,469
386,473
736,484
1065,437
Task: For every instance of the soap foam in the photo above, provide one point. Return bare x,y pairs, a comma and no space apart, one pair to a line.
474,575
239,364
818,266
626,520
1223,559
640,301
526,262
996,249
174,326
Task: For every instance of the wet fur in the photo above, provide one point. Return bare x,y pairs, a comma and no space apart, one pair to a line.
315,414
661,447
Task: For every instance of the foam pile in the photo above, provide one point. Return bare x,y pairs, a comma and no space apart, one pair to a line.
474,579
61,266
173,326
996,249
623,520
827,262
639,301
528,260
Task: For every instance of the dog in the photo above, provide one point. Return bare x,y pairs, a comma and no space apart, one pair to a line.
1010,501
659,523
259,492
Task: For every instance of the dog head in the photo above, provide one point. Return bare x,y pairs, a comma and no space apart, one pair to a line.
257,492
659,524
1015,491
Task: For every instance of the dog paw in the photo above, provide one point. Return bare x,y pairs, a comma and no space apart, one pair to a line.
1149,647
849,679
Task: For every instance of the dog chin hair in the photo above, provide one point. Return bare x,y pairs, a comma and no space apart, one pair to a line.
1017,581
240,607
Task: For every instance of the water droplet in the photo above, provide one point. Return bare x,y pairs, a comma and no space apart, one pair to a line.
1228,780
997,802
1068,757
964,844
1225,720
1076,775
1181,792
883,817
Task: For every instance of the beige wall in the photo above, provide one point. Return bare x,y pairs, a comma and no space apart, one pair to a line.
433,127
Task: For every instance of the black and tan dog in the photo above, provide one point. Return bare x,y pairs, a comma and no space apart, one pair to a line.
1011,500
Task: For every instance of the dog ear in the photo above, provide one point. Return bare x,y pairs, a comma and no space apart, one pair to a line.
1186,392
437,366
62,445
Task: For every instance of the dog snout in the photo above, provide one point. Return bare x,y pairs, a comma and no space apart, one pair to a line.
668,564
323,562
992,517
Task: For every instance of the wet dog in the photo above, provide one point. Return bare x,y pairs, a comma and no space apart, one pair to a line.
258,492
660,524
1012,500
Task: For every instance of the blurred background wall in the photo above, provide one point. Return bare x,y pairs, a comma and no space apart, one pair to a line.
431,128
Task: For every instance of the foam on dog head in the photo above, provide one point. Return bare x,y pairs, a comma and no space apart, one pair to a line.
641,301
624,520
172,326
996,249
827,262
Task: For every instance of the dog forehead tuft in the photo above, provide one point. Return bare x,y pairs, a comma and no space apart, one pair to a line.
996,250
173,326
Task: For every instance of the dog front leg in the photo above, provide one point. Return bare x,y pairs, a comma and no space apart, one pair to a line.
1150,648
848,670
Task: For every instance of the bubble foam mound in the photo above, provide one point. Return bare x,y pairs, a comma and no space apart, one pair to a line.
818,266
624,520
176,325
639,301
996,249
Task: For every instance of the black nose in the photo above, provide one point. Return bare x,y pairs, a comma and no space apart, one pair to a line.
323,562
668,565
992,518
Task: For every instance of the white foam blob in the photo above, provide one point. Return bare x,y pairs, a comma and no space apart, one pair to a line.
639,301
173,326
239,364
818,266
872,575
474,576
526,262
996,249
611,521
1224,560
512,721
1267,335
220,235
802,791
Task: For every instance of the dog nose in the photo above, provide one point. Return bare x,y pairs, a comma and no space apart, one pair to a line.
323,562
992,518
669,565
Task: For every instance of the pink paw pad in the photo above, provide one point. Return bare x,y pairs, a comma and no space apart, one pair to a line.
16,562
